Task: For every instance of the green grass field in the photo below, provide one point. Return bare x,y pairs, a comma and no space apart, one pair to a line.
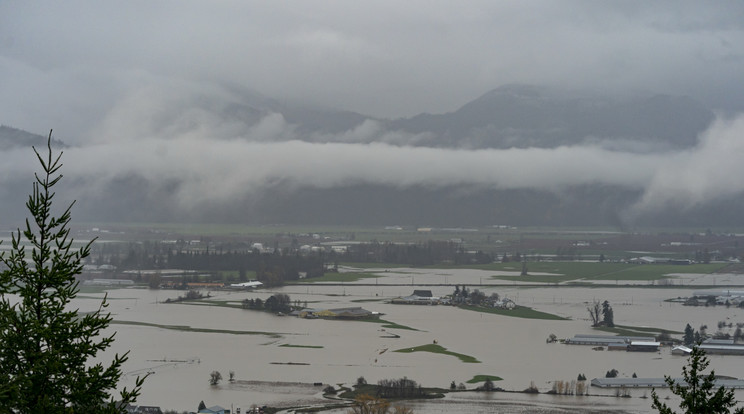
336,277
482,378
438,349
372,389
518,312
627,330
574,271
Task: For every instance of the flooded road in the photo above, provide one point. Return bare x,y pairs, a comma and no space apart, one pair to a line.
276,360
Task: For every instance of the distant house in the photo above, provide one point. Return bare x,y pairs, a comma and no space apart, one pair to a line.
505,303
642,260
419,297
339,313
351,313
214,410
143,409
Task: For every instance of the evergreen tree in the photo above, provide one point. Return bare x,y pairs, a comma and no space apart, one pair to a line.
689,337
697,390
608,315
46,347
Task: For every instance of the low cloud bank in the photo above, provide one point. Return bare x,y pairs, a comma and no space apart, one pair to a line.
198,169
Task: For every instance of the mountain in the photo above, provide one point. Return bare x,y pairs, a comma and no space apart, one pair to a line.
525,116
514,116
11,138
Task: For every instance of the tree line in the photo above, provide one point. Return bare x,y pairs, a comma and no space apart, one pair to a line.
279,302
431,252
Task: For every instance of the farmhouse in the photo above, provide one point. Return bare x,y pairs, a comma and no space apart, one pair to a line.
504,303
721,297
142,409
214,410
419,297
339,313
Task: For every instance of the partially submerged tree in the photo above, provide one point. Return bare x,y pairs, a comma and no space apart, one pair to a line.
47,352
601,314
608,316
215,377
488,385
697,390
366,404
594,311
689,337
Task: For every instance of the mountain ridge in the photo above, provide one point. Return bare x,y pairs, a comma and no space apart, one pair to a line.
512,116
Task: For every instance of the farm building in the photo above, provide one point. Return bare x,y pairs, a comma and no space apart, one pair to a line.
657,382
419,297
644,346
606,340
339,313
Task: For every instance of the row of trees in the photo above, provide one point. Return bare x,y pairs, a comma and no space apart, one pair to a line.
279,302
474,297
420,254
190,295
270,268
367,404
692,337
573,387
399,388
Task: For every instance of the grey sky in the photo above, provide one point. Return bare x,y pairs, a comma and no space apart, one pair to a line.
105,73
380,58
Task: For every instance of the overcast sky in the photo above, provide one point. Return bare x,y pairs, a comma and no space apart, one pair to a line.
60,61
99,71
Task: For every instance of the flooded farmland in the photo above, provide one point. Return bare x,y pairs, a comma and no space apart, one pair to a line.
276,360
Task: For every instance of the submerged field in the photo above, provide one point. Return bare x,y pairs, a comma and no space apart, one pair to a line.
277,360
259,346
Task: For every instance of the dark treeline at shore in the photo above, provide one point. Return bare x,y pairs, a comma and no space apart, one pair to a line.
414,254
280,266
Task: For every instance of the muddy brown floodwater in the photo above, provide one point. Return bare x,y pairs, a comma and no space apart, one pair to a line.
180,360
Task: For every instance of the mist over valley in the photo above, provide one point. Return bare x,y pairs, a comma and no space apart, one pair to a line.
519,154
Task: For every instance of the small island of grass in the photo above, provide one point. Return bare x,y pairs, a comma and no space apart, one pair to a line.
301,346
483,378
438,349
517,312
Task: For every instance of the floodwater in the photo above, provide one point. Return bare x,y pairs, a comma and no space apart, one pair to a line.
338,352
